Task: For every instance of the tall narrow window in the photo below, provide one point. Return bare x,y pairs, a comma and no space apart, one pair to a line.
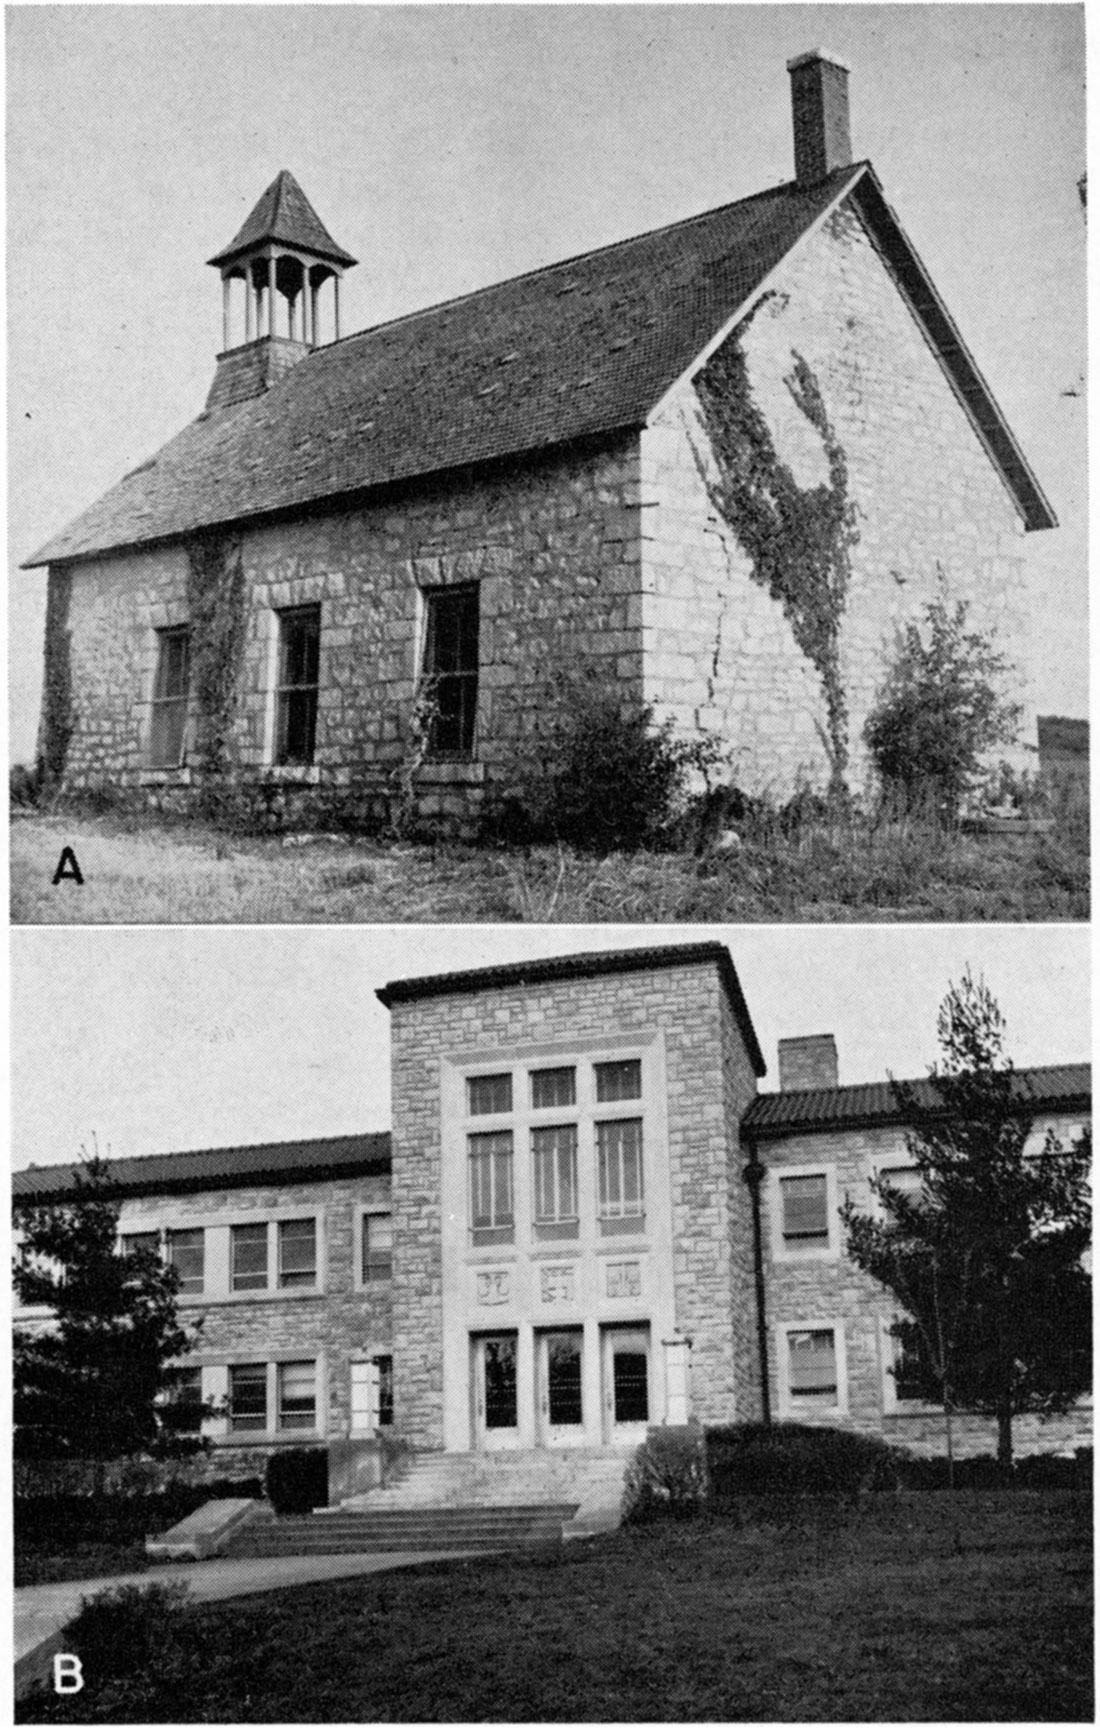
491,1216
248,1256
554,1159
170,687
384,1365
812,1365
297,1391
248,1397
377,1247
297,1252
805,1202
451,668
186,1252
622,1197
299,672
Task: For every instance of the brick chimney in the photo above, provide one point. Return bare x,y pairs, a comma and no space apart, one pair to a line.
819,101
806,1064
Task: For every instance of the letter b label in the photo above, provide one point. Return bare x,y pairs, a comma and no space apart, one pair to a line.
67,1674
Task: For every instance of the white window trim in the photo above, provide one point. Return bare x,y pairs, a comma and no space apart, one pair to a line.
892,1405
783,1251
795,1409
887,1161
362,1213
217,1252
369,1361
215,1388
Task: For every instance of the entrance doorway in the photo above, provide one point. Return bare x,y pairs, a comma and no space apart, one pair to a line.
496,1413
625,1384
560,1371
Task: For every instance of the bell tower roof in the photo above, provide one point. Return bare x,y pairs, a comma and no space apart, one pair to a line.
284,216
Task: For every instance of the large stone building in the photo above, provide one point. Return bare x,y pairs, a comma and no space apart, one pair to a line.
586,1221
713,469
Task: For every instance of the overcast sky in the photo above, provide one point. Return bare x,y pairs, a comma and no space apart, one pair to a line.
450,147
145,1041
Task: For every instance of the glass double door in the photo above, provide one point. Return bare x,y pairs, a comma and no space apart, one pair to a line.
565,1412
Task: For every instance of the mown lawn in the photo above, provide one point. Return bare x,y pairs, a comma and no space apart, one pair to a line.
143,871
918,1607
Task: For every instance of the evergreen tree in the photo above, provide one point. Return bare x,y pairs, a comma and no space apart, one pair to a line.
96,1380
987,1259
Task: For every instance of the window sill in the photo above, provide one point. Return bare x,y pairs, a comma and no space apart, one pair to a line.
242,1298
268,1437
295,773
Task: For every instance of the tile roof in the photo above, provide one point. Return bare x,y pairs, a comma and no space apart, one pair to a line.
774,1115
283,213
577,350
562,968
224,1167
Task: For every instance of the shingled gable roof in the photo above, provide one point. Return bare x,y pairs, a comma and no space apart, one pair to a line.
284,214
577,350
777,1115
225,1167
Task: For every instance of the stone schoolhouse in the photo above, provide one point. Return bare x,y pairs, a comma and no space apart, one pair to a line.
586,1221
713,469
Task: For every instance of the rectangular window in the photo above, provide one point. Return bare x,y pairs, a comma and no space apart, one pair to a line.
805,1204
297,1394
181,1402
248,1257
186,1252
619,1154
906,1178
554,1160
491,1217
248,1398
384,1365
553,1088
377,1247
489,1094
170,689
618,1080
451,668
372,1395
812,1373
133,1240
297,1252
299,673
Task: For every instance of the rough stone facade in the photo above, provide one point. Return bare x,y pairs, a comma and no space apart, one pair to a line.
816,1288
720,655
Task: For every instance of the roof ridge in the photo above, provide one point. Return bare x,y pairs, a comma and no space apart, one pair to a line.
209,1151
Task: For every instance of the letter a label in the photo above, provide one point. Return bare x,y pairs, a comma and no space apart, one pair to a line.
68,1673
68,870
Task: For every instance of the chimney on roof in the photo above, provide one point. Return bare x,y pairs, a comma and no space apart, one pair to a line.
819,103
807,1064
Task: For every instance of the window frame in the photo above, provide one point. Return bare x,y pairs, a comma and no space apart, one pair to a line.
169,708
557,1225
784,1251
288,1279
892,1405
502,1228
367,1280
217,1387
379,1389
289,690
460,681
620,1219
790,1405
170,1233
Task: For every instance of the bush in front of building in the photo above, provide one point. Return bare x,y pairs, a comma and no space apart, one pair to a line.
1038,1471
667,1477
792,1458
297,1480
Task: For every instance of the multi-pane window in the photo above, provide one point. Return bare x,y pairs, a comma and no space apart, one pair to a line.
912,1382
554,1169
372,1394
618,1080
297,1252
170,688
491,1214
299,674
451,668
248,1397
804,1201
296,1384
489,1094
553,1088
186,1252
377,1247
134,1240
619,1157
812,1365
248,1257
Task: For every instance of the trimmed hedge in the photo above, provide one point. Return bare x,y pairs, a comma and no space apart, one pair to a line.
1039,1470
297,1481
667,1477
794,1458
118,1517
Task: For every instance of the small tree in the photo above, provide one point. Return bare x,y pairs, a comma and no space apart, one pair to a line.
940,709
97,1382
986,1259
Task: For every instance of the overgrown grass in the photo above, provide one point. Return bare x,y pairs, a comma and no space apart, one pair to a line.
828,868
931,1607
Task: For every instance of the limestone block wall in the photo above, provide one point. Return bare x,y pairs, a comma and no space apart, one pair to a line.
552,544
342,1319
708,1080
720,654
823,1288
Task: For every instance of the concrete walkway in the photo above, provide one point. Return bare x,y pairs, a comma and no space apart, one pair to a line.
42,1611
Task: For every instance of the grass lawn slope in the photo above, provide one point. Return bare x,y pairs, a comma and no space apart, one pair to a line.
905,1607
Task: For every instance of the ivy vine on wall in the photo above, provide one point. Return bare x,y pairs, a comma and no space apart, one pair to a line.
798,540
216,604
57,690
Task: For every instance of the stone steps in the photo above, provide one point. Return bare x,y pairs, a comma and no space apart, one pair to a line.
589,1478
442,1528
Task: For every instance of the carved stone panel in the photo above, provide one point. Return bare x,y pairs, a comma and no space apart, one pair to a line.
624,1278
557,1284
493,1288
